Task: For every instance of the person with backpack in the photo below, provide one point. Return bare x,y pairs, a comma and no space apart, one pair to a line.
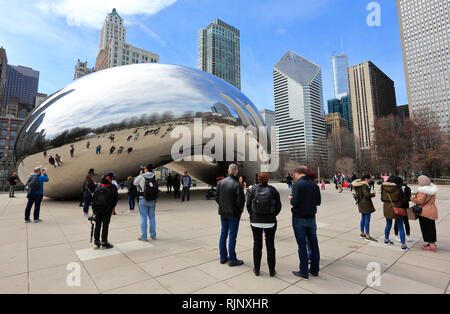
132,194
186,182
35,193
365,205
104,200
304,200
231,200
13,180
147,182
88,191
393,199
263,206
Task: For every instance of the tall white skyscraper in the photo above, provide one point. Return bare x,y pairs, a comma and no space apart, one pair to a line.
299,113
424,30
112,29
340,76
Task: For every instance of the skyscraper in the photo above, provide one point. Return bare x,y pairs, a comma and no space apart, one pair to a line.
372,95
268,117
342,106
299,113
3,67
424,30
112,29
219,51
21,82
340,76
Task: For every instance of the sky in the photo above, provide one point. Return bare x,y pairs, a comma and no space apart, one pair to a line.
51,35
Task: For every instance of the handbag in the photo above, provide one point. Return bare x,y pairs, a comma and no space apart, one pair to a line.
418,210
398,211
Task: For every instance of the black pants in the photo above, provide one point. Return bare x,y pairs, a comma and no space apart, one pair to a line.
35,199
270,245
407,227
428,228
177,192
186,193
102,221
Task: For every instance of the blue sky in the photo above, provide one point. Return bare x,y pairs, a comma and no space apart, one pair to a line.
50,35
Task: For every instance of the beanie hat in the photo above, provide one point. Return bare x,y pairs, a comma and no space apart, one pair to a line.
424,181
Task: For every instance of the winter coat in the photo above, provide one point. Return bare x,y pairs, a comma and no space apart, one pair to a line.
365,204
391,196
230,197
305,199
427,194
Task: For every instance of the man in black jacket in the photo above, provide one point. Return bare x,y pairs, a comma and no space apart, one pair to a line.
304,200
231,200
13,180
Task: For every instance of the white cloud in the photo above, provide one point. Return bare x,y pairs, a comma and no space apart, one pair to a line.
91,13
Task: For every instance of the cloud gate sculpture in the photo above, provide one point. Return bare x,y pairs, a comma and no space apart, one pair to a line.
122,118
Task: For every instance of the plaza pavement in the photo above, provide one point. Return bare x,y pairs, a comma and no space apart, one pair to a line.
184,258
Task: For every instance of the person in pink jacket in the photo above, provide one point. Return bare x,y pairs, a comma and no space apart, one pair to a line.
425,198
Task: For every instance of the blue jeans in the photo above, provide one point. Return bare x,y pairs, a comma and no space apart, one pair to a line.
87,203
35,199
131,201
306,230
230,227
365,223
399,223
147,210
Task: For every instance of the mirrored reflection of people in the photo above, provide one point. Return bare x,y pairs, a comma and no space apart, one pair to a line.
186,182
89,187
169,183
98,150
105,199
130,150
58,160
51,161
176,186
35,193
231,200
72,150
112,149
88,144
263,206
13,180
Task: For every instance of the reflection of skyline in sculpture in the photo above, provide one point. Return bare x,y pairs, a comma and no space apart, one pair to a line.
133,109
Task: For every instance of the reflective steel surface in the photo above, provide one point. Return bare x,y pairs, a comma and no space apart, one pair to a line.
121,118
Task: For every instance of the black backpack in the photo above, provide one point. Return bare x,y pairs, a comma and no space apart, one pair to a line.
102,200
151,189
33,184
263,203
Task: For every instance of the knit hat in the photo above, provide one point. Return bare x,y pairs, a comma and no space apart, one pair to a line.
424,181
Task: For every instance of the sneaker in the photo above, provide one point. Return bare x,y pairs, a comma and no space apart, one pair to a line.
27,221
153,238
107,246
409,239
236,263
273,274
97,247
388,242
299,274
397,238
405,249
140,239
37,221
256,272
224,261
370,239
362,236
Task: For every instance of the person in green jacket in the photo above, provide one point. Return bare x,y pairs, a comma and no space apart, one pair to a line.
365,205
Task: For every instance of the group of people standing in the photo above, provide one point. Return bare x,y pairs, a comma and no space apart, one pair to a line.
396,197
263,205
176,182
